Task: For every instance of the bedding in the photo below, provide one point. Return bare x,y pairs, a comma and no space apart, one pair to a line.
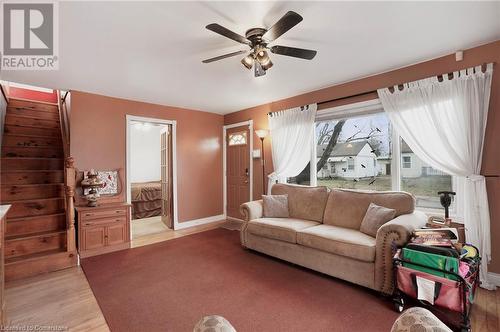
146,199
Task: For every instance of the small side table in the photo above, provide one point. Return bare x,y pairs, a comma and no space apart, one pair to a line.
103,229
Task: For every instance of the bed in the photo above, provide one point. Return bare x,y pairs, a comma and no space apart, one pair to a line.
146,199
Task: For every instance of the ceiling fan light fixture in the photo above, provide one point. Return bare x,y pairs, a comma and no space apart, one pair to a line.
264,60
248,61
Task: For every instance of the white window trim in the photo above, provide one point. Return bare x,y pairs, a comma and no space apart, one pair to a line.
406,162
365,108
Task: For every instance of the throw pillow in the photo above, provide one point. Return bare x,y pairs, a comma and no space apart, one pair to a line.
275,206
375,217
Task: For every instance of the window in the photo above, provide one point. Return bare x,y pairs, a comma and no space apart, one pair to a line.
239,138
354,155
350,164
422,180
361,157
406,162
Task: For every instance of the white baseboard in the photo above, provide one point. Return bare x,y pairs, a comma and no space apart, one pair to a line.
235,219
197,222
494,278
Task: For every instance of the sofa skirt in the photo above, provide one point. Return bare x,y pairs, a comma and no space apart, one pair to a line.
352,270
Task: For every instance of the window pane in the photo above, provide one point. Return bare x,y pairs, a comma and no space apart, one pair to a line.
355,153
422,180
238,138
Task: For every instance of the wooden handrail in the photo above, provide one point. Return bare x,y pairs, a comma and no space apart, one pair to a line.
69,174
64,123
4,94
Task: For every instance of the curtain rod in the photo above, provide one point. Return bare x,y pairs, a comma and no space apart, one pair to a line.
450,76
304,107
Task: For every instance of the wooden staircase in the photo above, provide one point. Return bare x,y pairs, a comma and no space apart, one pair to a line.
39,233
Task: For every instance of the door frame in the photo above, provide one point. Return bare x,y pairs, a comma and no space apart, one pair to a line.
248,123
173,124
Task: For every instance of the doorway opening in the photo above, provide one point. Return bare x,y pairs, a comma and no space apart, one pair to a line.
150,176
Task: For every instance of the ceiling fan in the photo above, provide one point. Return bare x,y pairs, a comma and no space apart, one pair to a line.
258,39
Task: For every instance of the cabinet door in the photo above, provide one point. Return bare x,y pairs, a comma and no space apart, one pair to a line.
94,237
116,234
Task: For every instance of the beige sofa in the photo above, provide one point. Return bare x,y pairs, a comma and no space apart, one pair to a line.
322,232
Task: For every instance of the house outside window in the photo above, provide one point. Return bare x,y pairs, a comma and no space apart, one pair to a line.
350,164
362,157
406,162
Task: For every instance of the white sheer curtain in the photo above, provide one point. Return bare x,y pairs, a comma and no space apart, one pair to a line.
292,132
444,124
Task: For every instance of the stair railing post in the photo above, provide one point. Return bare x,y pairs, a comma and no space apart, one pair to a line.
70,181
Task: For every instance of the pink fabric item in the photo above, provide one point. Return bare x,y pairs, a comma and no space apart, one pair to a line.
449,297
463,269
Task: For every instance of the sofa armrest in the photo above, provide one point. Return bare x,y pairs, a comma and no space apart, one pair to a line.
396,232
252,210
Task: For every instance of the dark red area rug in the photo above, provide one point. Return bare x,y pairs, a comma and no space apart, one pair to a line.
169,286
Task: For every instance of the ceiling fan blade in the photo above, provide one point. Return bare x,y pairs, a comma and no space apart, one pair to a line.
294,52
227,33
220,57
288,21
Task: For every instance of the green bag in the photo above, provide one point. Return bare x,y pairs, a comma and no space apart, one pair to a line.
440,262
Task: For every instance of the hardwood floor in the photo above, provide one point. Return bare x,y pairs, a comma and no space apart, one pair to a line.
147,226
64,298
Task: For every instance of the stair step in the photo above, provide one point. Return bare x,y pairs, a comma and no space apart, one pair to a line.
31,177
34,243
32,131
33,104
32,152
37,263
30,191
31,113
35,207
17,120
36,224
30,140
33,256
16,164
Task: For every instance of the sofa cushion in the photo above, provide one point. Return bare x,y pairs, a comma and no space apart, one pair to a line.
338,240
347,208
374,218
303,202
275,206
284,229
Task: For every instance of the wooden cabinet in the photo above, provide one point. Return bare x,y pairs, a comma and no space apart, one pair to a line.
103,229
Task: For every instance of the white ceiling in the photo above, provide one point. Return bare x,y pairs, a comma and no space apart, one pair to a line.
152,51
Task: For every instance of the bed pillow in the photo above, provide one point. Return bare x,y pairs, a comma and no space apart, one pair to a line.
375,217
275,206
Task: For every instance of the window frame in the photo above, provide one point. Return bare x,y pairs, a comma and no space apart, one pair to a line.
351,162
406,164
366,108
242,134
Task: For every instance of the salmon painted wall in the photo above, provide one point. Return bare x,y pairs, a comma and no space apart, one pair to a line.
98,132
21,93
472,57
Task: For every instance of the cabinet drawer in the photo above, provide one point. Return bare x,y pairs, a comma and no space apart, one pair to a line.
102,221
87,215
